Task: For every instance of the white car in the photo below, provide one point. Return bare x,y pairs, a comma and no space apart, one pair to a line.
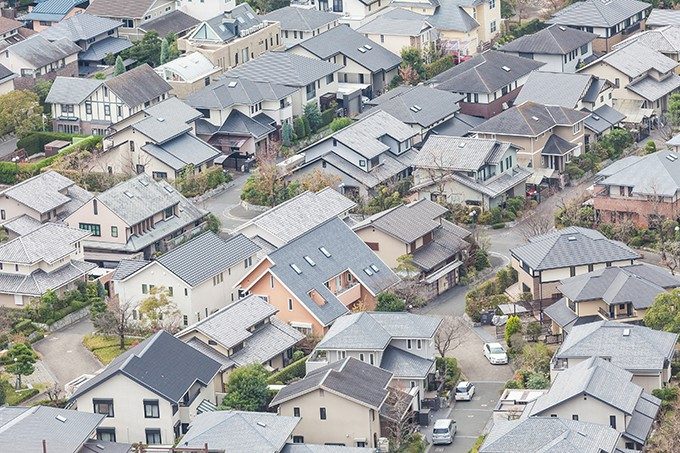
465,391
495,354
444,431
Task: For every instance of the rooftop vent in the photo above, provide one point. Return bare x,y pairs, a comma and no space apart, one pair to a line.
361,49
416,108
296,268
241,20
367,47
169,189
672,157
310,261
462,144
505,68
626,332
368,271
100,447
232,84
128,194
61,418
535,118
264,425
326,253
562,28
596,118
144,182
571,238
160,120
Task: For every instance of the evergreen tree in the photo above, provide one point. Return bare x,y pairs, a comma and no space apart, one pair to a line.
119,68
165,48
313,116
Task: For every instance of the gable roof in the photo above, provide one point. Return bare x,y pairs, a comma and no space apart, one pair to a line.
229,91
236,123
636,58
175,21
236,431
301,19
55,191
121,8
396,21
450,15
71,90
79,27
345,41
206,255
153,364
7,24
138,85
631,347
598,13
553,40
225,26
50,243
186,149
485,73
664,39
572,246
39,52
655,174
52,10
662,17
127,267
530,119
555,88
462,154
350,378
364,136
421,105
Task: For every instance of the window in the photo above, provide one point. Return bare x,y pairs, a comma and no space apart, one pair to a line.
66,108
217,279
342,354
119,110
114,231
298,440
185,320
170,291
492,4
169,212
296,412
362,163
612,421
151,409
106,434
128,23
419,344
88,110
329,78
248,262
577,127
153,436
145,288
322,413
361,356
574,417
371,359
107,110
103,407
290,304
3,214
159,175
93,228
311,91
492,26
408,344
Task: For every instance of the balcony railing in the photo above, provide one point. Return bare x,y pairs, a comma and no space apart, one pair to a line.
349,294
607,315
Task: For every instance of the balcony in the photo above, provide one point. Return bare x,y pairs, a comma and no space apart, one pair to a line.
317,360
616,315
349,294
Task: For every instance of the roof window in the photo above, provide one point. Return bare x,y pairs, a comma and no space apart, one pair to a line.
310,260
375,268
296,268
128,194
368,271
326,253
505,68
232,84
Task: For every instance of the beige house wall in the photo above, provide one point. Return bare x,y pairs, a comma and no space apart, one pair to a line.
390,248
589,409
104,217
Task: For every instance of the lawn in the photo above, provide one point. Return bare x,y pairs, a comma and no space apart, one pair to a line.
106,348
13,397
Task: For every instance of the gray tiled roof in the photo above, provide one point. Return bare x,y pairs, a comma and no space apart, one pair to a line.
460,153
642,421
80,27
126,268
390,166
237,123
557,146
153,364
160,129
301,19
638,284
342,40
39,52
99,50
458,126
120,8
497,185
206,255
138,85
397,21
555,88
182,151
49,243
174,108
598,13
38,282
641,350
236,431
363,383
318,448
176,22
225,26
25,428
603,118
71,90
55,191
6,74
284,68
549,435
363,136
561,314
403,101
554,40
654,174
530,119
403,364
484,73
665,39
662,17
636,59
220,95
447,242
268,342
21,225
103,446
450,15
572,246
652,89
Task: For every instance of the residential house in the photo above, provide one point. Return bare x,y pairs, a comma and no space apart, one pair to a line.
401,343
136,218
145,396
243,333
548,259
547,137
36,58
240,116
59,197
562,49
298,24
580,91
513,402
611,20
96,36
50,12
663,39
311,78
366,65
158,141
188,74
205,9
199,275
437,246
596,391
175,22
643,78
91,106
233,37
6,80
353,12
41,428
399,28
535,434
472,171
489,81
661,18
292,218
132,13
644,352
345,402
12,31
643,189
319,276
617,293
49,258
421,107
372,152
674,143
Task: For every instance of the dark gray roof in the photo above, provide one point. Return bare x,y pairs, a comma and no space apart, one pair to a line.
663,17
126,268
462,154
225,27
561,314
176,22
100,49
555,88
237,123
352,378
484,73
347,251
389,167
345,41
572,246
153,364
530,120
138,85
206,255
641,423
631,347
446,243
161,129
654,174
71,90
120,8
39,52
284,68
598,13
6,74
403,364
603,118
497,185
229,91
557,146
554,40
301,19
397,21
638,284
637,59
459,126
79,27
403,103
450,15
236,431
182,151
25,428
103,446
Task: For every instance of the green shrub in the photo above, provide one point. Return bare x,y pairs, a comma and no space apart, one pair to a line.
192,184
480,440
285,375
25,325
440,65
448,366
538,381
340,123
513,326
328,116
513,384
498,226
298,354
299,128
514,204
35,143
666,394
388,301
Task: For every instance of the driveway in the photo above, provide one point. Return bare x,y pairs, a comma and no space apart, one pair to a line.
65,356
7,147
227,205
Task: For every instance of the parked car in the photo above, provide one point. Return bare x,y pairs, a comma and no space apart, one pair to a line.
495,354
444,431
465,391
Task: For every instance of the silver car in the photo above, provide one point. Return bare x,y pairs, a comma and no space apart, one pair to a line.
495,354
444,431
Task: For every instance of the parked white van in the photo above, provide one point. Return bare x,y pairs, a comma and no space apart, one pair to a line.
444,431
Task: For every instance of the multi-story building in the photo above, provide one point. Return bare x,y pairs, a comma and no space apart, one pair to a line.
298,24
132,14
400,28
47,13
188,74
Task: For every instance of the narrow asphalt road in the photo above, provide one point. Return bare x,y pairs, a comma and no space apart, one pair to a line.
64,354
227,205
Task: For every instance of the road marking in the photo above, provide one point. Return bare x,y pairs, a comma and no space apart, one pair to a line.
470,416
69,351
465,437
489,382
474,410
483,405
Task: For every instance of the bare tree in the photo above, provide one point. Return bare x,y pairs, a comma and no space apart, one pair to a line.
536,225
55,392
399,422
450,335
160,310
666,437
116,320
